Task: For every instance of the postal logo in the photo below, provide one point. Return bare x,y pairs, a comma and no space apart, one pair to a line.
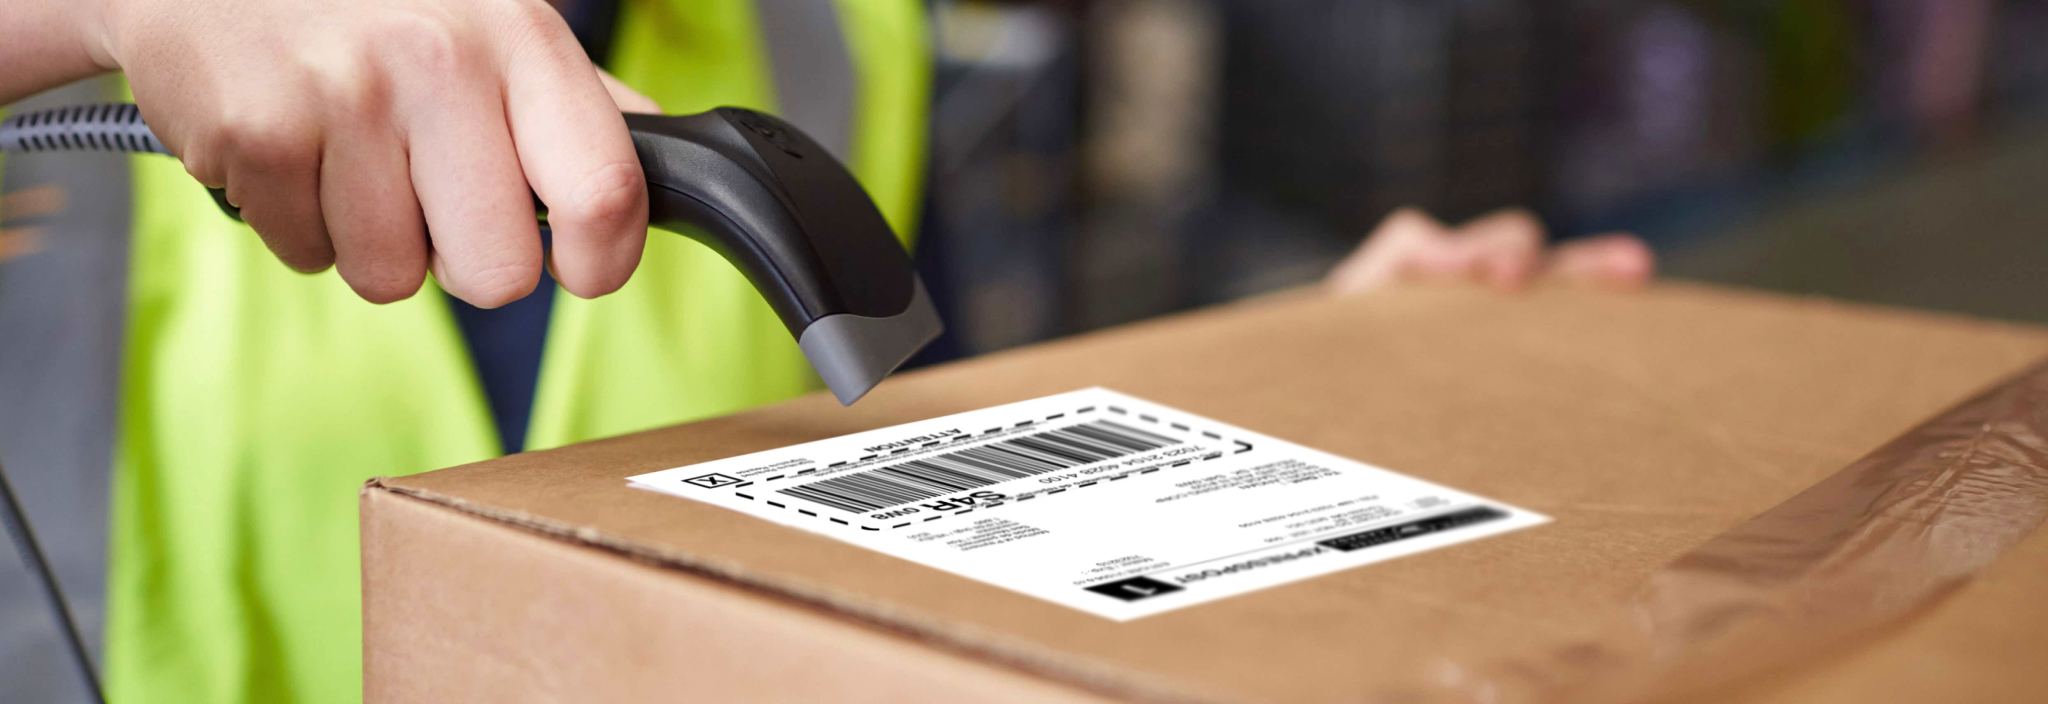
712,481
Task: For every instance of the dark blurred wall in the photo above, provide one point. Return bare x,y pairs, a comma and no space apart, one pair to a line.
1151,155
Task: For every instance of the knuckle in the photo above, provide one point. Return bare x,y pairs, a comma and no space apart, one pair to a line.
1526,234
299,241
1516,227
303,257
599,288
205,169
610,197
1521,217
1513,241
266,143
309,265
598,281
1409,215
203,145
384,283
497,284
355,91
418,42
1408,226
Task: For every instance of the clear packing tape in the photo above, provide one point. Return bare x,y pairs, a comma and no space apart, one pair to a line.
1877,542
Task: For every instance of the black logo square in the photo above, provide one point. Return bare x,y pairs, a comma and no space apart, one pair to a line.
713,481
1134,588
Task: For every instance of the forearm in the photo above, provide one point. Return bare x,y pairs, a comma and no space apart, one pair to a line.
45,44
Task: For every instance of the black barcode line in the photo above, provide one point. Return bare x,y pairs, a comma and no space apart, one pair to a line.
979,466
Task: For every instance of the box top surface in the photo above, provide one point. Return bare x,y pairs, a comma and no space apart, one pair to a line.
1643,424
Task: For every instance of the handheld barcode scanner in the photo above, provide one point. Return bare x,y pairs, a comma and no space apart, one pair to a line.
778,206
748,185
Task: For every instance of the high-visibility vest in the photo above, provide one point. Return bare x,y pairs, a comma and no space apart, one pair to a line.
256,401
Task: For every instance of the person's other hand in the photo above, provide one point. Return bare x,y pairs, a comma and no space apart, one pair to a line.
390,137
1504,250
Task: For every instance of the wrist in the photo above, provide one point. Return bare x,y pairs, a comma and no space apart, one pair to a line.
89,22
43,44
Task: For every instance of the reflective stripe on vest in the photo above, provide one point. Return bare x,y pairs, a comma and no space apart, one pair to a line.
256,401
63,264
813,77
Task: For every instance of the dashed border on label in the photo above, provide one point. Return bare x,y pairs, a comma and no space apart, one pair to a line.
1241,447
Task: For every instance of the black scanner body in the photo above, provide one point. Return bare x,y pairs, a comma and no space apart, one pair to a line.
798,225
732,178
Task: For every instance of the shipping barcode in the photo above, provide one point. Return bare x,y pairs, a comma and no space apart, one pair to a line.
979,466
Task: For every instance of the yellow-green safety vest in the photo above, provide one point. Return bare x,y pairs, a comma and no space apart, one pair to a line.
256,400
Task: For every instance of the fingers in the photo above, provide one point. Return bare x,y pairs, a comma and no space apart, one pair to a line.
1614,260
479,216
373,218
1504,250
273,175
575,152
1406,242
406,137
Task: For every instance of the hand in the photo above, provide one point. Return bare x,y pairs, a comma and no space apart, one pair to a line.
1504,250
388,137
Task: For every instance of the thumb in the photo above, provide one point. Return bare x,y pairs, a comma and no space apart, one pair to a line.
625,97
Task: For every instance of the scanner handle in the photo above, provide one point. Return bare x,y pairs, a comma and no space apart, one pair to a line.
779,207
766,197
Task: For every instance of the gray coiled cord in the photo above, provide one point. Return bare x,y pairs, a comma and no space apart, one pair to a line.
111,127
105,128
108,127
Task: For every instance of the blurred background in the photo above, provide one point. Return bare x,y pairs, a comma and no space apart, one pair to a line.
1099,162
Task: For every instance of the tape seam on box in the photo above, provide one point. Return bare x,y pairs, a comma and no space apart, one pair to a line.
1873,544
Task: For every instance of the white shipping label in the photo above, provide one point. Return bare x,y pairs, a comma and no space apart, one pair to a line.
1096,500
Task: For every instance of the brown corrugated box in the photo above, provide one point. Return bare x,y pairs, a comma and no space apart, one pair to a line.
1643,424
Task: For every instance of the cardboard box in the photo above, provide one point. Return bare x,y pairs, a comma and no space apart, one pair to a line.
1643,424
